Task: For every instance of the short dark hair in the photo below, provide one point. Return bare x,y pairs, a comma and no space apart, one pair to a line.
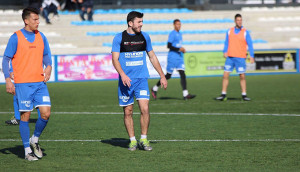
27,11
133,14
237,15
176,20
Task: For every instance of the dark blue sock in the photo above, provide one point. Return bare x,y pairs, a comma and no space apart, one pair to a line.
25,132
39,126
16,108
39,113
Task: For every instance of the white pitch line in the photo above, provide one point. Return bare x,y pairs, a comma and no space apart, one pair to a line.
170,113
204,140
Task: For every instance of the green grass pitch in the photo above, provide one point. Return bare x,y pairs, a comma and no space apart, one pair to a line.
196,135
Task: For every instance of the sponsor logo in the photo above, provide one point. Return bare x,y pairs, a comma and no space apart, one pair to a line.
227,67
26,103
143,93
32,46
134,54
124,98
46,99
134,63
241,69
133,43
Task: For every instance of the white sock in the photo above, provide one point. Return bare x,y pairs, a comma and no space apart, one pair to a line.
34,139
185,93
244,94
143,136
223,92
28,150
155,88
132,138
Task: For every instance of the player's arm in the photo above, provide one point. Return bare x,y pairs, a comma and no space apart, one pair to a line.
9,52
47,61
156,65
115,60
225,50
10,88
250,46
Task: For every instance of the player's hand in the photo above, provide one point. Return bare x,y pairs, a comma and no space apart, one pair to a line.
182,49
58,8
126,80
47,73
225,55
11,75
163,82
251,60
10,87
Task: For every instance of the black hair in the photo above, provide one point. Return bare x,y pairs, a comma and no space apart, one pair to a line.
176,20
132,15
237,15
27,11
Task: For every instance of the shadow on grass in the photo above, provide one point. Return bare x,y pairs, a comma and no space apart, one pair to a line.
121,142
18,150
230,98
30,121
169,98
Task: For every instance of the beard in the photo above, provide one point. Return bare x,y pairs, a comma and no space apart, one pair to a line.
136,30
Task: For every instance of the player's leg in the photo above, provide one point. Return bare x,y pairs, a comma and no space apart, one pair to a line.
128,122
142,96
170,69
241,69
25,134
228,68
126,100
42,102
24,95
15,120
156,87
183,83
38,112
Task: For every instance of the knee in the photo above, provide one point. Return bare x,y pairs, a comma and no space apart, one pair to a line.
45,115
225,76
145,110
242,77
182,73
128,112
168,76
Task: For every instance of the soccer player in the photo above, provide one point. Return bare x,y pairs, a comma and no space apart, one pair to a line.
29,50
235,52
129,59
175,61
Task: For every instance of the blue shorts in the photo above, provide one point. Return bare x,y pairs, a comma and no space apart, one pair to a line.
175,61
234,62
139,88
31,95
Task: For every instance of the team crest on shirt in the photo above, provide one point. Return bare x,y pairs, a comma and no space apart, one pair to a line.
26,103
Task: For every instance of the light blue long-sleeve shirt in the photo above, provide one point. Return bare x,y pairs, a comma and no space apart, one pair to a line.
248,40
11,50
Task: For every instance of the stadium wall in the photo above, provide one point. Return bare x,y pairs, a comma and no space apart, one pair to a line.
96,67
